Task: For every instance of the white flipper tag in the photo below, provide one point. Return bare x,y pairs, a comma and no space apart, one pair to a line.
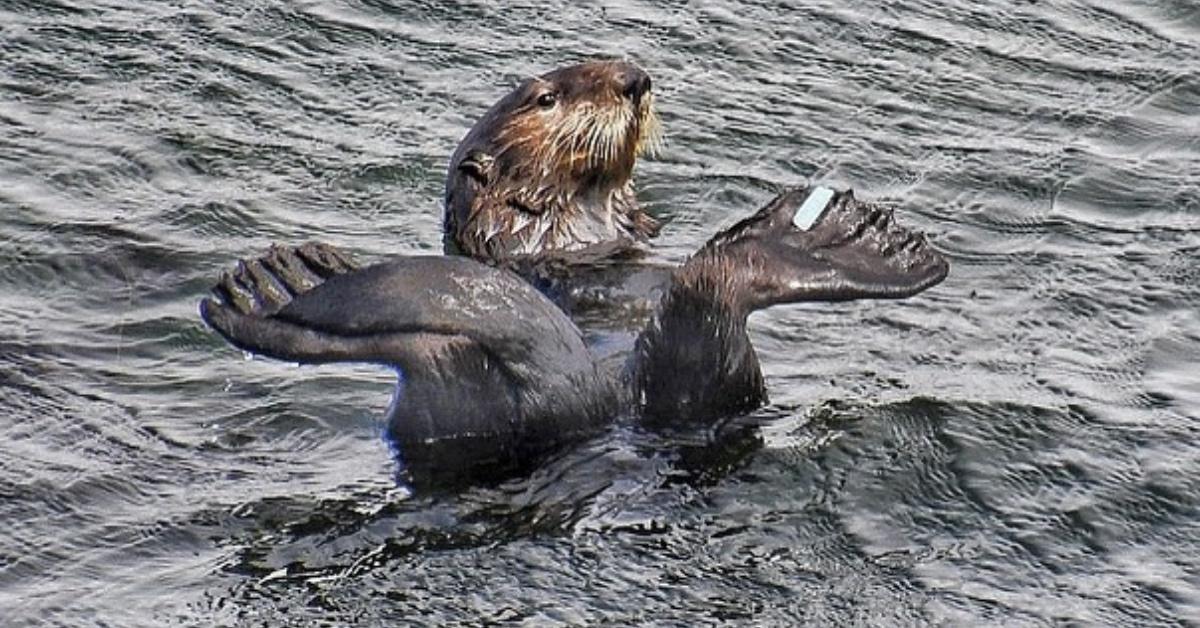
812,208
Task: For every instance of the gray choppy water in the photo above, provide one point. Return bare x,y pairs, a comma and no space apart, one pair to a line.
1016,447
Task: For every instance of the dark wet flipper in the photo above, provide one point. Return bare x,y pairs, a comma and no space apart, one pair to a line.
819,245
233,292
326,260
872,254
264,285
482,356
277,338
291,270
695,359
269,291
272,337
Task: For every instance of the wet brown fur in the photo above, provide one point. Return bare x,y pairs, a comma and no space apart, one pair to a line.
532,179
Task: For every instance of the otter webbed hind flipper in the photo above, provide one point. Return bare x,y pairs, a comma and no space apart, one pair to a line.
694,360
814,244
262,285
483,358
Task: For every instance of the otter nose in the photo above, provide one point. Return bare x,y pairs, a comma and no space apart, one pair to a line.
637,84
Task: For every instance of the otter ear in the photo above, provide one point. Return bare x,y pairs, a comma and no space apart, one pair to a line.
477,165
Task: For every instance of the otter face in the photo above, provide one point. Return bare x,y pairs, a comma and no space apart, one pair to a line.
592,119
549,167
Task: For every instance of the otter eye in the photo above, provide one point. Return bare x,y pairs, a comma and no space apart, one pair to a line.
547,100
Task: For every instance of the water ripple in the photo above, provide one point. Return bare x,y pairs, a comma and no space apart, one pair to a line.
1014,447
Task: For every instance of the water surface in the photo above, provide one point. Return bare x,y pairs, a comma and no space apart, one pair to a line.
1015,447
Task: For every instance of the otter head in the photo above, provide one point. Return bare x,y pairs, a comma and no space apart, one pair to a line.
549,167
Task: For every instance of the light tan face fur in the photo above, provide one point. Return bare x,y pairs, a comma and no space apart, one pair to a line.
580,127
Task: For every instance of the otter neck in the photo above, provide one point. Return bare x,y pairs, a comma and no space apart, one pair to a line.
599,214
694,360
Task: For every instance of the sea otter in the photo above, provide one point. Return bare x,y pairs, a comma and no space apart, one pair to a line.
549,167
491,371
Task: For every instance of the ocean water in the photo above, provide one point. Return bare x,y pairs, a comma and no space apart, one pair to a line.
1015,447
